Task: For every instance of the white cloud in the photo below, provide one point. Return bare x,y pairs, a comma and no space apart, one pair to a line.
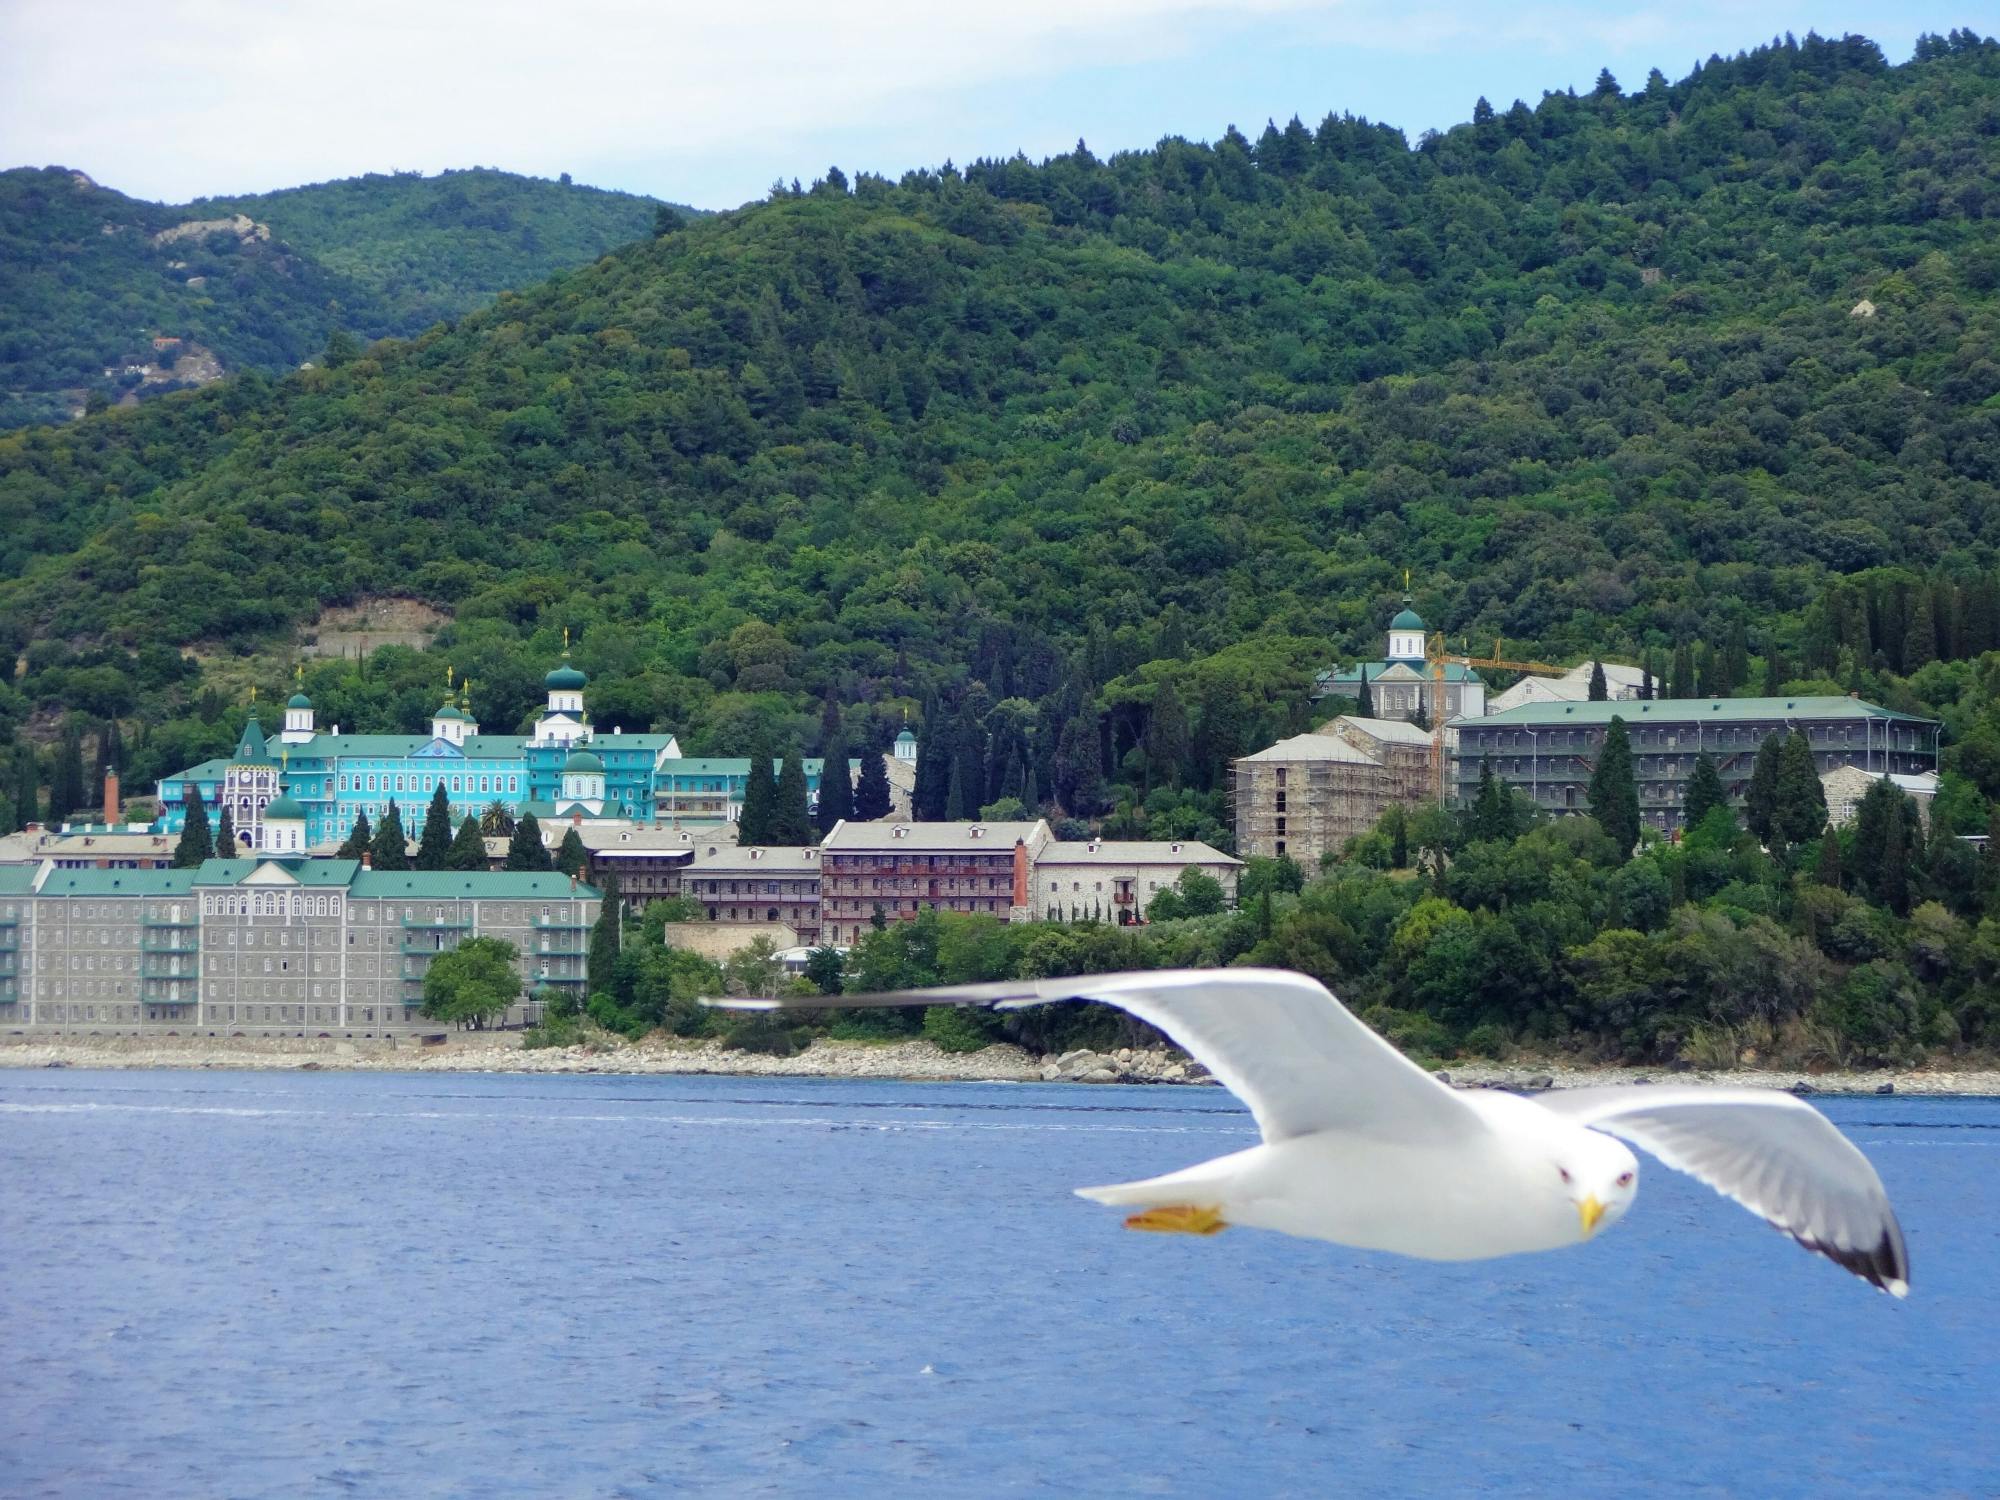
179,97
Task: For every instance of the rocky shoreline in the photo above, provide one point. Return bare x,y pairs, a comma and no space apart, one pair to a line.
912,1060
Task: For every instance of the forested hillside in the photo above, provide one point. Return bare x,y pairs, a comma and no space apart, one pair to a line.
1021,443
90,279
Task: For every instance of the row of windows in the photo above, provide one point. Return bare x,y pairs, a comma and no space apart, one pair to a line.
427,784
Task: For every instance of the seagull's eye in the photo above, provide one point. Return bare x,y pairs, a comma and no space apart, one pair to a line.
1624,1179
1565,1173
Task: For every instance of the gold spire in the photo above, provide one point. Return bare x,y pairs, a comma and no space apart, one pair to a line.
299,673
253,695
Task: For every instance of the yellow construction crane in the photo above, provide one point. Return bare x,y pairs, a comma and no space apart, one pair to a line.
1439,658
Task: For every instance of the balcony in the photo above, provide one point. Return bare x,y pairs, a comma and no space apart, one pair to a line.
449,924
189,920
560,924
167,946
566,951
426,950
166,976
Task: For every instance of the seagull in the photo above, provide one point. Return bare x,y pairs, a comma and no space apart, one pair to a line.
1364,1148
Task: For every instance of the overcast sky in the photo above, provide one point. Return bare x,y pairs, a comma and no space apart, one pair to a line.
707,104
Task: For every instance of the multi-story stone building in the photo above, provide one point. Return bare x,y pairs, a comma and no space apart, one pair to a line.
1304,798
1115,880
1549,750
299,947
901,869
757,884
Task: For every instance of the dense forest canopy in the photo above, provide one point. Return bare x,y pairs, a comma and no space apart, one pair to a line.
89,278
1048,437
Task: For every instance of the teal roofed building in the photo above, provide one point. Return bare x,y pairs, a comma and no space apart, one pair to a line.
335,777
1401,683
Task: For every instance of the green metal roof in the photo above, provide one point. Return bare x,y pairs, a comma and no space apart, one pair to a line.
565,676
1407,619
16,880
582,763
450,711
314,872
285,807
299,700
208,770
1690,710
480,885
252,749
118,883
729,765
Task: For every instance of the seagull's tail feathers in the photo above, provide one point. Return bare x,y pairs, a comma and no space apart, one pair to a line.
1204,1182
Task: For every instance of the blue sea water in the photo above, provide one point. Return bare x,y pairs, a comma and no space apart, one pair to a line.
304,1284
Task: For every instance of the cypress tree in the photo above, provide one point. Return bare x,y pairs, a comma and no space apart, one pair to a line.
66,785
1734,667
1827,870
1681,685
1168,740
871,794
1871,835
1920,636
760,799
358,839
934,758
1364,702
1648,678
27,785
969,764
195,844
227,845
602,962
110,750
836,791
1892,880
468,848
954,794
1614,794
1599,690
1399,841
791,817
571,856
1800,809
1493,809
389,849
1705,791
434,848
524,849
1760,798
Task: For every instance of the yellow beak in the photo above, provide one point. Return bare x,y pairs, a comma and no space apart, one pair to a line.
1590,1211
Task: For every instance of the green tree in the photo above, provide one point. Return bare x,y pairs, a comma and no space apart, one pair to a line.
604,939
571,856
824,969
472,984
1760,797
495,821
524,847
791,816
194,844
1705,792
468,848
389,849
1800,811
359,837
27,784
1614,794
1493,809
1826,871
1168,740
1598,691
66,790
434,847
871,791
757,823
836,790
227,845
1364,701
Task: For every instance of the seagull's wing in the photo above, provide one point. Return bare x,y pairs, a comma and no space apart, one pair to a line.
1279,1040
1774,1154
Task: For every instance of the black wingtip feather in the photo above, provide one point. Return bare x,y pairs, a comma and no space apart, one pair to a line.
1886,1266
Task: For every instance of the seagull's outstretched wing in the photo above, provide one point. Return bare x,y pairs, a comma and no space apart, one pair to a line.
1279,1040
1774,1154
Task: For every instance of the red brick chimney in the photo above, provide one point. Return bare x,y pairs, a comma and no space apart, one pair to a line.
1020,873
111,799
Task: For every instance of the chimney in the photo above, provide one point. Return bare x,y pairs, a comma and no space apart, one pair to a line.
1020,873
366,863
111,798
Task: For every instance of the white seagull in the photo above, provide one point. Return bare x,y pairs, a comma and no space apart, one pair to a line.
1362,1147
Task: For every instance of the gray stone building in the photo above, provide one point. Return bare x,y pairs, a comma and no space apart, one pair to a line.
1549,750
277,947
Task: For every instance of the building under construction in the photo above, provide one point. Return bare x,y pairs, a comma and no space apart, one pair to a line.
1305,797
